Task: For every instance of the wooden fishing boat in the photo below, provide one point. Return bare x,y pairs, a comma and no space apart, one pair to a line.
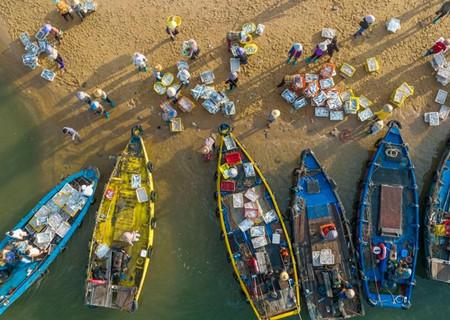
322,242
34,243
255,236
437,221
388,224
122,242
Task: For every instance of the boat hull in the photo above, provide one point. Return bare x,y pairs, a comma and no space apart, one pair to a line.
27,274
244,254
122,241
437,217
388,224
316,204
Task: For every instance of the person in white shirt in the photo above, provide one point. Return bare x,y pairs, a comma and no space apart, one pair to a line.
84,97
140,61
72,133
87,190
18,234
130,237
184,76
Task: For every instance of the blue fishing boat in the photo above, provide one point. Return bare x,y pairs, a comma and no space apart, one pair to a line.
437,221
388,224
322,241
34,243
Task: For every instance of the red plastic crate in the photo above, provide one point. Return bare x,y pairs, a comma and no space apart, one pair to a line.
233,158
227,186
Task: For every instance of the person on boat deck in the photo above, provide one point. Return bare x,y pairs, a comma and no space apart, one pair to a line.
8,257
131,237
347,291
33,252
403,271
21,246
18,234
87,190
329,232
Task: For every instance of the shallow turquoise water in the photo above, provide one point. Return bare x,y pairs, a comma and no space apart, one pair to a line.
189,277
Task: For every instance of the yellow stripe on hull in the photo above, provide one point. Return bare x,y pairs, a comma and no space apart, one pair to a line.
122,271
227,244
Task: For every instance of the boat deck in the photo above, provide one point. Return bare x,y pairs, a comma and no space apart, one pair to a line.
325,266
256,238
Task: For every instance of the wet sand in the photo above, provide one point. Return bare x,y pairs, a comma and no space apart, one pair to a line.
98,53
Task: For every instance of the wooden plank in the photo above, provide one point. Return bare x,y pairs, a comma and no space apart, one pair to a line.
391,203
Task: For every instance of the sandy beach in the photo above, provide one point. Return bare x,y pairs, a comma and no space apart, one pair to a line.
98,54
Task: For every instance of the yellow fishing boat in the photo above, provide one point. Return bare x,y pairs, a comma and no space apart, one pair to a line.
122,242
255,236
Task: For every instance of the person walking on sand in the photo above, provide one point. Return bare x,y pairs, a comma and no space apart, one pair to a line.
140,61
52,31
364,24
84,97
441,45
274,115
99,93
98,109
294,82
318,52
294,53
172,28
64,9
71,132
232,81
332,47
443,11
54,55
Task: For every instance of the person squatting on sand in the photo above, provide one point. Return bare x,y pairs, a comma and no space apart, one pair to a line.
54,55
99,93
364,24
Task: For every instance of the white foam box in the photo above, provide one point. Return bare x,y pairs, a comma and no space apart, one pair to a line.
321,112
441,96
432,118
336,115
366,114
328,33
364,102
310,77
444,112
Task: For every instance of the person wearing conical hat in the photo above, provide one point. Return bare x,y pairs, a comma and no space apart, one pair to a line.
364,24
294,53
274,115
99,93
157,72
385,112
172,28
209,147
319,51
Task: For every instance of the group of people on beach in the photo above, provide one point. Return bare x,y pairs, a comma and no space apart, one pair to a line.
191,50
